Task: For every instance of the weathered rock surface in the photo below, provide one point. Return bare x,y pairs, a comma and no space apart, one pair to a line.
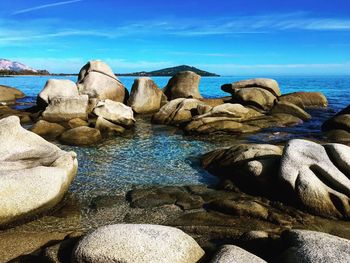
34,174
67,108
116,112
317,176
338,127
257,97
267,84
56,88
77,122
310,246
183,85
306,99
292,109
9,94
138,243
234,254
81,136
47,130
145,96
108,127
6,111
97,80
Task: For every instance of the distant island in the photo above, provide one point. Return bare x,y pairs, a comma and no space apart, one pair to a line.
169,72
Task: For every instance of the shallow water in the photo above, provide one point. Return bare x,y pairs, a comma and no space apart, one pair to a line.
157,154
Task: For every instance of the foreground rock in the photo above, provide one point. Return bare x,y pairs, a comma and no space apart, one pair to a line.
138,243
306,99
81,136
183,85
56,88
338,127
309,247
34,175
9,95
47,130
234,254
145,96
317,176
97,80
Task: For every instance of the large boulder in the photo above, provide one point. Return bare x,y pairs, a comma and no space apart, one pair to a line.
47,130
257,97
34,174
145,96
306,99
115,112
56,88
183,85
136,244
270,85
290,108
316,176
108,127
338,127
81,136
309,247
62,109
9,95
97,80
234,254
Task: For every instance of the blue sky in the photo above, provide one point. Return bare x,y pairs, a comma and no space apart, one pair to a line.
232,37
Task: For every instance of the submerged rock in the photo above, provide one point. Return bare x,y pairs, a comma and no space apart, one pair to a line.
306,99
47,130
137,243
234,254
183,85
338,127
81,136
9,95
34,175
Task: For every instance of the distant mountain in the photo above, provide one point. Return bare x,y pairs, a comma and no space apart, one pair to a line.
169,72
8,67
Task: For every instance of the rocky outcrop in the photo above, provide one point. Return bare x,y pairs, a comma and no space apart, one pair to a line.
97,80
34,175
108,127
183,85
137,243
306,99
115,112
310,246
6,111
338,127
268,84
145,96
66,108
291,109
47,130
317,176
9,95
81,136
56,88
234,254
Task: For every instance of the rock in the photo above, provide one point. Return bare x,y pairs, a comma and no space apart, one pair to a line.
66,108
234,254
9,94
215,101
292,109
138,243
317,176
108,127
34,175
338,127
272,121
270,85
97,80
308,99
56,88
6,111
257,97
81,136
77,122
115,112
310,246
47,129
145,96
183,85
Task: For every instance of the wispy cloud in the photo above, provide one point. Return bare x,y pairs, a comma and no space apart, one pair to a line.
22,11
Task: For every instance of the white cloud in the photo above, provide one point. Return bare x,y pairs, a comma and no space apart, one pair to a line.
22,11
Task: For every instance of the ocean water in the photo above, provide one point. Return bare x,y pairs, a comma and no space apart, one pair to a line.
162,155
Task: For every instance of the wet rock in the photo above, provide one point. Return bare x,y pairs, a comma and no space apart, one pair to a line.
123,243
97,80
6,111
292,109
77,122
183,85
310,246
235,254
338,127
115,112
317,176
270,85
81,136
9,95
145,96
308,99
56,88
47,129
66,108
108,127
35,174
271,121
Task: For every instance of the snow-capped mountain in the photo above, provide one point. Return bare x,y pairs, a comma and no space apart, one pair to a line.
6,64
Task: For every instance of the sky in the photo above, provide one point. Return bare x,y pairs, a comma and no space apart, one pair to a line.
231,37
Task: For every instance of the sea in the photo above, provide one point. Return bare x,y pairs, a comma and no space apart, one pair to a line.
163,155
